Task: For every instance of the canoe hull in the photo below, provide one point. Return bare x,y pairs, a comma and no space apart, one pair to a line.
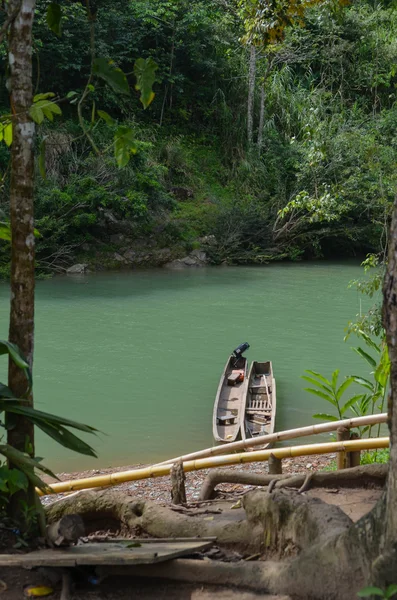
228,415
260,405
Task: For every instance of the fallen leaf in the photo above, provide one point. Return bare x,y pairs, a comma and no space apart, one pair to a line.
37,591
237,505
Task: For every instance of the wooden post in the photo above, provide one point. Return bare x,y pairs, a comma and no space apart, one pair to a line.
275,465
354,457
342,434
178,492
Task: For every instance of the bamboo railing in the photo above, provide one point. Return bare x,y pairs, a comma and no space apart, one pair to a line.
289,434
217,461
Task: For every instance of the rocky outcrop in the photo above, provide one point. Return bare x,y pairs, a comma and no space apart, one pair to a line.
197,258
78,269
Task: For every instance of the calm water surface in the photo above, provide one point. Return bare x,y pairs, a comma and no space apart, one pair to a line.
139,355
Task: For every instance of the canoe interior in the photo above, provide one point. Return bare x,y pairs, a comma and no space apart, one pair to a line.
230,401
261,400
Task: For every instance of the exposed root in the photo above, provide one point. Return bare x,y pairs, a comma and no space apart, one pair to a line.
362,476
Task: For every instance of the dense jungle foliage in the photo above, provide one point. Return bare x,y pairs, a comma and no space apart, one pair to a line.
317,179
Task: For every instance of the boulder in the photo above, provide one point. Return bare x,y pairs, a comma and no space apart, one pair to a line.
78,269
195,259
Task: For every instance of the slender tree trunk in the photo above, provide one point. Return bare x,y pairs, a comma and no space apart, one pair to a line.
21,436
389,549
261,118
251,94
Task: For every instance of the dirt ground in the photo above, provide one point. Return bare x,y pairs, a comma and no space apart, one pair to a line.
131,589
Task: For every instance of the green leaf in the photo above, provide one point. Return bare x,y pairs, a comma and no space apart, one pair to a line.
45,96
5,231
36,113
113,76
70,95
65,438
370,591
368,340
17,357
47,417
342,388
364,382
391,591
325,417
335,376
350,403
321,395
7,134
42,159
144,71
124,145
366,356
54,17
16,480
319,376
316,383
106,117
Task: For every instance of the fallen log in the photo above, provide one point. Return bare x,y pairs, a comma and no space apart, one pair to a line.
362,476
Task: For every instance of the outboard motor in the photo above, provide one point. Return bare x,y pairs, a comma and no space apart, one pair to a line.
239,351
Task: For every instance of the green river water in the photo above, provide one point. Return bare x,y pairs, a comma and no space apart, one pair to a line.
139,355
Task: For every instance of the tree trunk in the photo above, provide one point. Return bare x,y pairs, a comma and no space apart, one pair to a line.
389,551
251,94
261,118
21,436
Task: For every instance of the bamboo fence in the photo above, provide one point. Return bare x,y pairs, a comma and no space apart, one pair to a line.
216,461
289,434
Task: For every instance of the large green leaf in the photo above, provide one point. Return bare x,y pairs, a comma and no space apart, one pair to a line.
321,395
39,415
54,17
7,134
5,392
145,73
369,341
64,437
366,356
115,77
124,145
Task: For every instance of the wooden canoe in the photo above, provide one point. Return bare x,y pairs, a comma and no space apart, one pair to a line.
228,415
260,405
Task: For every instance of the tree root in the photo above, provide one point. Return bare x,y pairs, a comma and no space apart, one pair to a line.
316,551
362,476
121,512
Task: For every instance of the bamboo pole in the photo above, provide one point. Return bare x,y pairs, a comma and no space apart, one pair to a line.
218,461
289,434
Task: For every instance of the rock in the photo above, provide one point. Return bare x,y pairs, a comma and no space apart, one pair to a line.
120,258
200,255
117,238
77,269
197,258
209,240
